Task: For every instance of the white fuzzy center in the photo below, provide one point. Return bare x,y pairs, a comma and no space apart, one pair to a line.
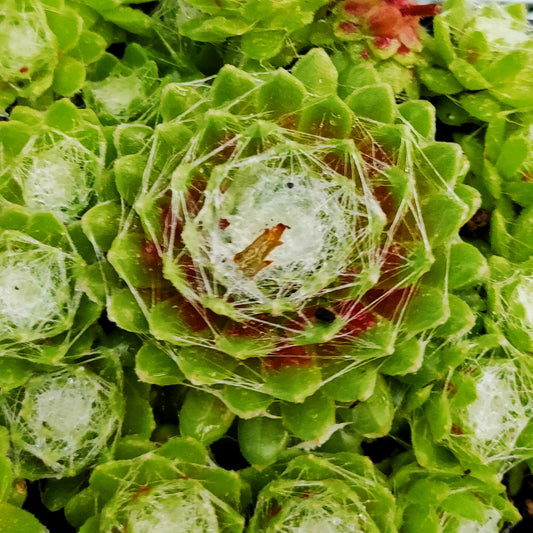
57,179
65,420
25,42
189,511
498,415
489,525
116,93
524,294
319,216
34,293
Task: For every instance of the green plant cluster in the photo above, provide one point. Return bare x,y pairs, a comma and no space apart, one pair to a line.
246,245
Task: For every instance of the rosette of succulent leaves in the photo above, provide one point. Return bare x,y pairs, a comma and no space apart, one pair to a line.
127,89
480,60
56,374
286,248
442,501
44,310
476,417
256,29
59,416
53,161
340,492
177,483
480,64
62,420
48,44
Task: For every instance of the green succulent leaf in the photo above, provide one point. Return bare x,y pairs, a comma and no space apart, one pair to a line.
311,419
261,440
14,520
153,365
204,417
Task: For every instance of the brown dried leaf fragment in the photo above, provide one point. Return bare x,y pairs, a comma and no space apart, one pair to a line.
253,258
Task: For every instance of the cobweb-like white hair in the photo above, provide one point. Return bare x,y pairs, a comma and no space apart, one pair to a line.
37,293
57,173
60,422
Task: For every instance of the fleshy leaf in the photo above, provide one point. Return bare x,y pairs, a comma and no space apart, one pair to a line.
204,417
153,365
311,419
261,440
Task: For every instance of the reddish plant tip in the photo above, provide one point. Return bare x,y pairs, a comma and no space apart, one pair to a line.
365,55
150,256
456,430
423,11
382,41
358,319
193,318
194,198
149,248
348,27
226,147
356,9
273,511
288,356
451,389
393,23
143,490
223,223
23,70
403,50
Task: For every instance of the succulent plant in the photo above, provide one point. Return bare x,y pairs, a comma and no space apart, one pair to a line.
177,483
484,51
510,294
384,28
448,502
209,264
282,248
481,412
61,422
478,64
54,160
336,493
114,14
48,46
39,296
258,28
126,90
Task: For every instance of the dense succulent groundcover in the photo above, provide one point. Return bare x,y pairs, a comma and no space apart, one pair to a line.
265,267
